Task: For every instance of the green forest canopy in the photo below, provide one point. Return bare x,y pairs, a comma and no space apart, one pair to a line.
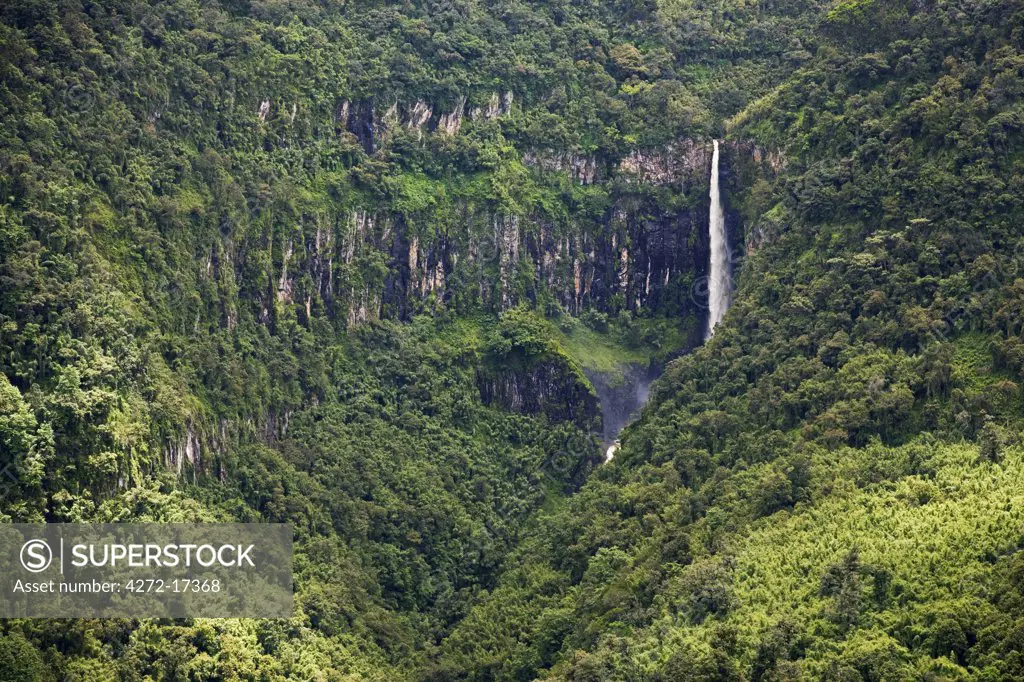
829,489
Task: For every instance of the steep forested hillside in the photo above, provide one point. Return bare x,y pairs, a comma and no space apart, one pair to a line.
253,258
356,266
830,488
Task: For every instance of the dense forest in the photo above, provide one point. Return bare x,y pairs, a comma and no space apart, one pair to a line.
379,270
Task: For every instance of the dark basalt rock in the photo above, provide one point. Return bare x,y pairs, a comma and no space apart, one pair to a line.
547,385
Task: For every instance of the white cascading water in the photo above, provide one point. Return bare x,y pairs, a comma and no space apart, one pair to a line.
609,454
719,290
718,280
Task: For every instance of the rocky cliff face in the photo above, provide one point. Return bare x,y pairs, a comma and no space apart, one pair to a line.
549,386
684,164
372,122
643,252
647,249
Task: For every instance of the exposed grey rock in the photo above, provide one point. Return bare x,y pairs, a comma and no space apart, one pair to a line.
673,164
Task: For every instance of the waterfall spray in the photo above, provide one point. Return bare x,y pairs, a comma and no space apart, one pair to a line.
718,279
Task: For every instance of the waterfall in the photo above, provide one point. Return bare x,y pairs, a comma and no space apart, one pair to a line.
718,280
621,393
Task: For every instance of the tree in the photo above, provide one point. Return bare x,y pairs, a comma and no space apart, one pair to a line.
991,440
19,660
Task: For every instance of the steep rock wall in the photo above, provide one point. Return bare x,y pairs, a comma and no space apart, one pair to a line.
646,250
549,386
643,251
